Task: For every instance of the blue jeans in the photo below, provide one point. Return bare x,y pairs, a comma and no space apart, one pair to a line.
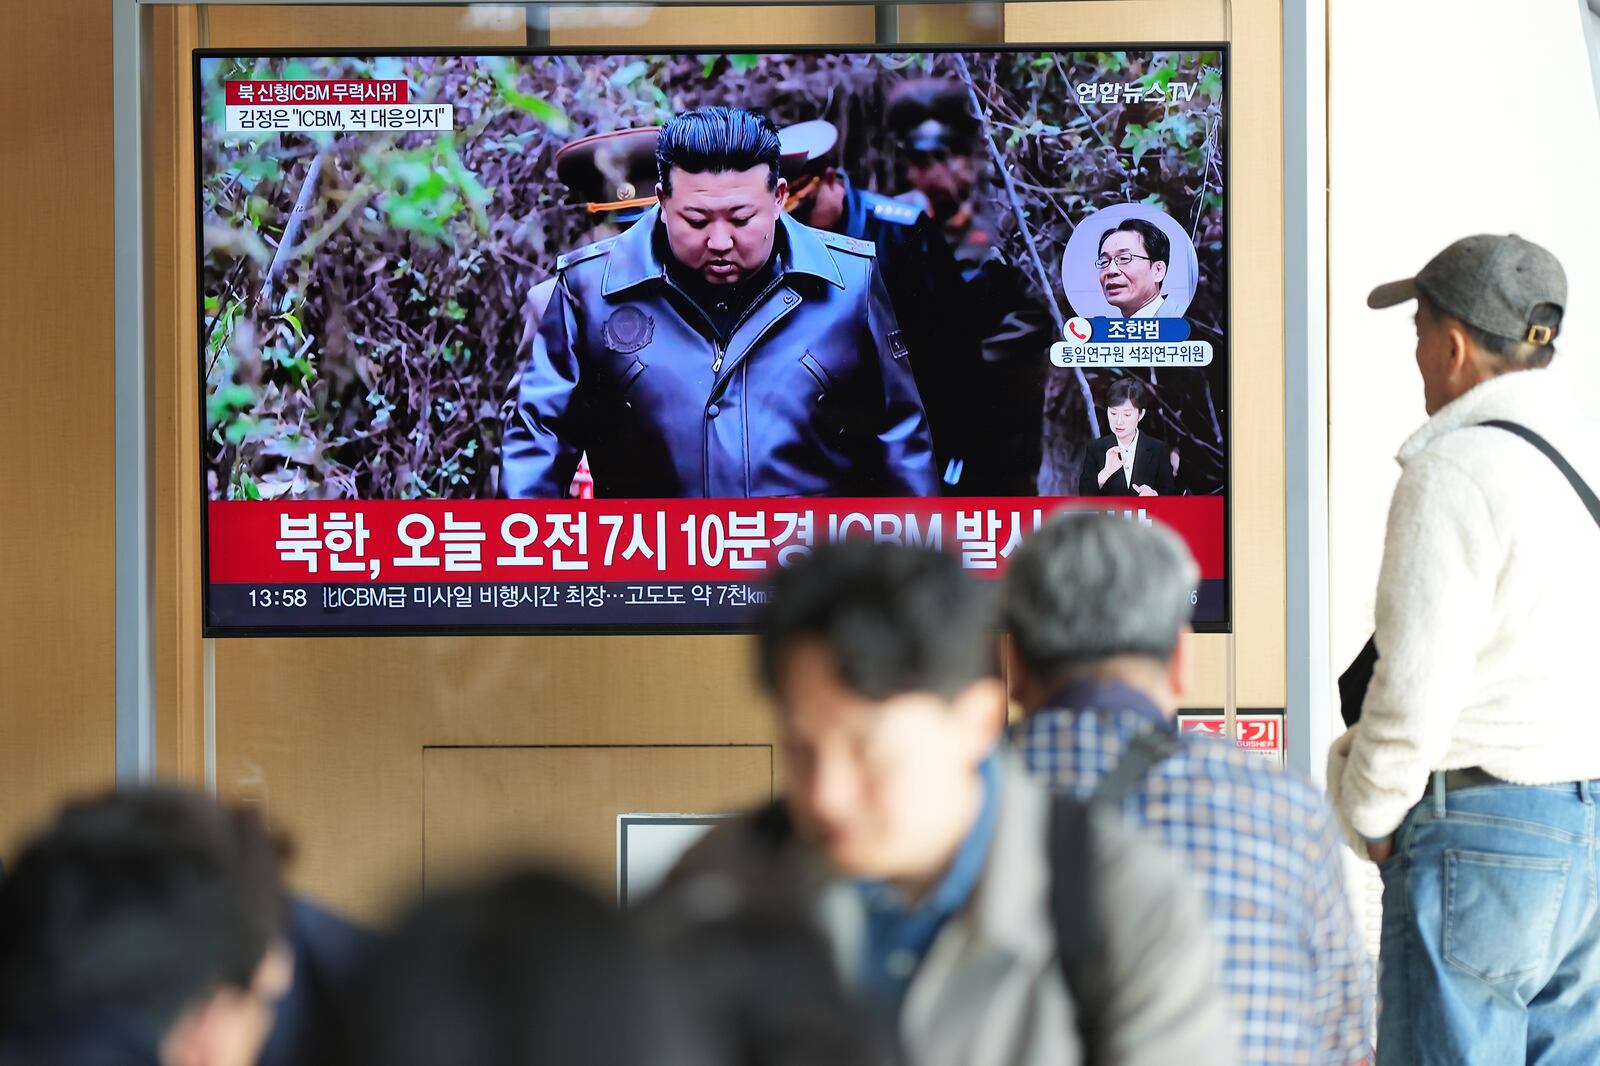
1491,937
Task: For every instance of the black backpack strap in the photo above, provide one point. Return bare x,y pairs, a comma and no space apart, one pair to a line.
1580,486
1072,905
1072,853
1149,747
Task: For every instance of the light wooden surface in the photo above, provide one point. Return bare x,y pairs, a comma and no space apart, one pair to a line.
57,524
1119,21
576,26
317,26
486,807
329,736
175,387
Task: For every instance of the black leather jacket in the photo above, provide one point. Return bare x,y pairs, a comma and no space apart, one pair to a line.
811,396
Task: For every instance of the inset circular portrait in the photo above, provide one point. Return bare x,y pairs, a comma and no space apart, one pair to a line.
1129,261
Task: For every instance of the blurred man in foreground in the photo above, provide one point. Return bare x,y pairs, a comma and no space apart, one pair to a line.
924,850
143,929
1097,611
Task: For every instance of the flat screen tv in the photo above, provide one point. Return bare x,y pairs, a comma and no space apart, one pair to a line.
590,342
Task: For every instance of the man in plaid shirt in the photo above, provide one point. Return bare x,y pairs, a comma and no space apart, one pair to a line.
1097,611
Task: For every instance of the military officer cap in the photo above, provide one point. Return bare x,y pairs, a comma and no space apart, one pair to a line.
932,114
808,149
613,171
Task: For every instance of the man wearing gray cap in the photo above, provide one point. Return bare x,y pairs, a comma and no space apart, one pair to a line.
1471,774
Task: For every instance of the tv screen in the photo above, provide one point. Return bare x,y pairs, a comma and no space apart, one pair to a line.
555,342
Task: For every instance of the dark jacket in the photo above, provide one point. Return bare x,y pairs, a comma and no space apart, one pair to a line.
1152,466
328,953
87,1041
1010,328
811,396
930,304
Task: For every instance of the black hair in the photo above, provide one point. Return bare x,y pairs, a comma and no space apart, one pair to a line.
525,970
717,139
1156,244
749,963
137,905
1128,390
896,620
1510,353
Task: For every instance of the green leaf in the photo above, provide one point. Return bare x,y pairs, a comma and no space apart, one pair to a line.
629,74
1211,84
239,429
744,62
537,106
221,404
1141,139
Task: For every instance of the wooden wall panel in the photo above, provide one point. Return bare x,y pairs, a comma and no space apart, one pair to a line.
328,735
57,521
486,807
1256,261
1113,21
262,26
576,26
180,697
974,23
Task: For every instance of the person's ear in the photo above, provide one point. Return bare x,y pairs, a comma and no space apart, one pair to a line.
1458,357
1142,413
981,710
1180,668
1160,272
1016,674
661,195
780,193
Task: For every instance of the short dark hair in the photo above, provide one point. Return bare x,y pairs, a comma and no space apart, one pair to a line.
1510,353
1156,244
896,620
522,970
139,904
717,139
1128,390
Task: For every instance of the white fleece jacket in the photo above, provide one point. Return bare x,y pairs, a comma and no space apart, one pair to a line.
1487,607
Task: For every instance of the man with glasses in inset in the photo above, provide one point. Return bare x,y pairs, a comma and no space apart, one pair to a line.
1133,264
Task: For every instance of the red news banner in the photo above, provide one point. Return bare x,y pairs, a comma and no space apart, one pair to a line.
271,542
346,91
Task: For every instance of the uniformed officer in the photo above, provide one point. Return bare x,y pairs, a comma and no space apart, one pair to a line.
611,178
719,348
921,275
938,137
